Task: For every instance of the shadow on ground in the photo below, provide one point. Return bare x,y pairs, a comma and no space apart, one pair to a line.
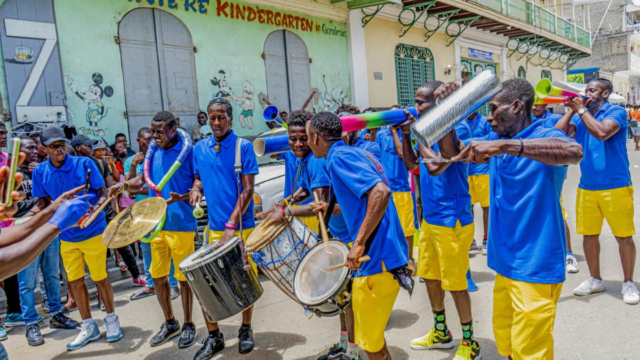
134,338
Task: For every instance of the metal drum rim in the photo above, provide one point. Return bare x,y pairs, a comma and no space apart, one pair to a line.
194,260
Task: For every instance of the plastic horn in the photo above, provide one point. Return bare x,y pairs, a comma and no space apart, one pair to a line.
198,213
550,100
270,145
443,118
271,113
377,119
544,88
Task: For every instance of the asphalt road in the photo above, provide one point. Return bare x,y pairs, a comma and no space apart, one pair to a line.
596,327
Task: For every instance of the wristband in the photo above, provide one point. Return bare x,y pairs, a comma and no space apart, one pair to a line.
127,185
521,148
282,210
230,226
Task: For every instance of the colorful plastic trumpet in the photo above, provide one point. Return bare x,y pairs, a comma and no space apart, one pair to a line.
271,113
544,89
550,100
377,119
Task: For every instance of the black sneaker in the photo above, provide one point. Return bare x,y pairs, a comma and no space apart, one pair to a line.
188,336
59,321
166,333
212,345
245,344
335,352
33,335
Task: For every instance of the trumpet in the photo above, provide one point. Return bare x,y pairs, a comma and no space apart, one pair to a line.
271,113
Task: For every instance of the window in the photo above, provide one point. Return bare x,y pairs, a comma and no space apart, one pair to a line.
522,73
414,67
546,74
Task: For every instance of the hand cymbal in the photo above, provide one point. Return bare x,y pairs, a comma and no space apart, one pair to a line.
134,222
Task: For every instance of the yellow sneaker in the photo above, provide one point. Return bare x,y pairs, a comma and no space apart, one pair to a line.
433,340
468,352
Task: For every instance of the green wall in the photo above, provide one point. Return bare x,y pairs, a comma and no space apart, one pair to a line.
86,31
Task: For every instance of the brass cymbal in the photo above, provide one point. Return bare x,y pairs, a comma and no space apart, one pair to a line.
134,222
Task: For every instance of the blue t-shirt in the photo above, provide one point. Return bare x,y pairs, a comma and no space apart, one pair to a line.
605,164
313,174
47,180
527,239
291,165
480,127
180,213
219,180
353,172
445,197
372,147
548,119
393,165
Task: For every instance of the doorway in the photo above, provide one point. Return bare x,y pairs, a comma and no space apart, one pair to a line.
471,69
159,70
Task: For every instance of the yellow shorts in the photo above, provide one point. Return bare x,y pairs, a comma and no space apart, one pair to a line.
479,189
312,222
564,212
615,205
217,235
76,254
373,299
523,318
404,207
444,254
176,245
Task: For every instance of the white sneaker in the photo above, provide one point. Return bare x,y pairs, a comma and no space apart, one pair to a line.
474,245
88,334
589,286
630,294
572,264
113,329
485,245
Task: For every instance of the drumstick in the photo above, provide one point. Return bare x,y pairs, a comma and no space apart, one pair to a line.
360,260
323,226
94,214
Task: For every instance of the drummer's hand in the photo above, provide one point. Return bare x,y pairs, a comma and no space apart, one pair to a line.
226,236
276,215
173,198
444,90
195,197
319,206
406,126
116,188
355,253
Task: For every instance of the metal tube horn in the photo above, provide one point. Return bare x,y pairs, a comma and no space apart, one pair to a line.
271,113
443,118
272,142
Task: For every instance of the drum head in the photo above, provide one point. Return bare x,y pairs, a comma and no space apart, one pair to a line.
206,254
313,285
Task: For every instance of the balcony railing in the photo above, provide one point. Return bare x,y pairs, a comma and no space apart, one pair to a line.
530,13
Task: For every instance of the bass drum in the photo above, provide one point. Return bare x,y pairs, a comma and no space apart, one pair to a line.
218,279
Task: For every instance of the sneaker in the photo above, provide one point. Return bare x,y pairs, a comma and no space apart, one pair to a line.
630,293
141,294
572,264
212,346
166,333
139,281
589,286
3,333
34,337
468,352
114,333
485,244
88,334
175,293
187,336
245,342
433,340
100,305
15,320
335,352
474,245
59,321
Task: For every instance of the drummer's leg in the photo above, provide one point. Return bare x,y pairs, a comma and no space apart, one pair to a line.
246,315
163,292
160,267
182,245
187,301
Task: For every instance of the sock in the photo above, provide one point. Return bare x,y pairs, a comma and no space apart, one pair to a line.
344,338
111,317
569,253
467,332
246,326
172,322
214,333
484,237
440,322
352,351
86,322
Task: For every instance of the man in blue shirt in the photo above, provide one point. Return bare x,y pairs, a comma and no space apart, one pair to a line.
176,240
526,232
605,190
479,176
216,179
78,245
359,184
447,230
539,112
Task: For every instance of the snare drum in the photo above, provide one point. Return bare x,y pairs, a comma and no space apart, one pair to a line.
218,279
278,248
326,293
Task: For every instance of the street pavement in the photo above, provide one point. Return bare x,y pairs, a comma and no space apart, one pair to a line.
595,327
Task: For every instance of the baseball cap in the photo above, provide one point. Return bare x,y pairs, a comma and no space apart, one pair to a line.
52,134
82,140
205,130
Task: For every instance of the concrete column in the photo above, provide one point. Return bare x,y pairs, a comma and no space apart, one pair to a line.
458,64
505,69
357,63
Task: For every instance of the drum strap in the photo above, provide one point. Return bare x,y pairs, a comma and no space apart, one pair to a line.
238,170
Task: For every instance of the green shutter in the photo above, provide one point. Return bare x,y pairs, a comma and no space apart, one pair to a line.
414,67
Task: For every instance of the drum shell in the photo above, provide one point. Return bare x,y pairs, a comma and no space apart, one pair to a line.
337,303
222,286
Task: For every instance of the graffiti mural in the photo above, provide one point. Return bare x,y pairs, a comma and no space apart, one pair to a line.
96,110
245,101
329,100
